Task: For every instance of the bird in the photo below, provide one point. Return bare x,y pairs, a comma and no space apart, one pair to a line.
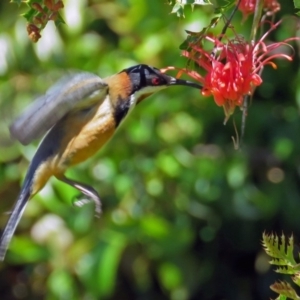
77,116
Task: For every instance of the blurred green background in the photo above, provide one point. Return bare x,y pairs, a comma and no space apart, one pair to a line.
183,212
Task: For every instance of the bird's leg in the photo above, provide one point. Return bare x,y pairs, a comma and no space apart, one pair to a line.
86,190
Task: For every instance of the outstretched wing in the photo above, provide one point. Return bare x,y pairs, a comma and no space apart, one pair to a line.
75,91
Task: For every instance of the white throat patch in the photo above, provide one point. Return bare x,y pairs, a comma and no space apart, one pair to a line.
145,91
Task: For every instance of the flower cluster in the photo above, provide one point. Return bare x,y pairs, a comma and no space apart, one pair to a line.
247,7
232,67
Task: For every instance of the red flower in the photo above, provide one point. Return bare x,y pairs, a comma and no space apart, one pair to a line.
247,7
232,68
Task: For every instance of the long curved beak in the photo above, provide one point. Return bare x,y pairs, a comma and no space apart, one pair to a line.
175,81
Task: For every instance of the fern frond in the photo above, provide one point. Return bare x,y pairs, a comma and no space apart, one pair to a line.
284,289
280,249
286,270
278,262
296,278
290,249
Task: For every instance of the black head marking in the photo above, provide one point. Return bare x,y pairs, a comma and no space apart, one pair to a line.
121,110
145,76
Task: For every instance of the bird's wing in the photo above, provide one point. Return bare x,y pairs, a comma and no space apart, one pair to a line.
78,90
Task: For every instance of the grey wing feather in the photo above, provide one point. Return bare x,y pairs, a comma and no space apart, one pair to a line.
76,90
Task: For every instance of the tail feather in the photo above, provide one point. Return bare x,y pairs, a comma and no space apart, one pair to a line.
14,220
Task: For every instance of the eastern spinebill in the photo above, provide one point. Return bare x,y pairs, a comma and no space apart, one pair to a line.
78,115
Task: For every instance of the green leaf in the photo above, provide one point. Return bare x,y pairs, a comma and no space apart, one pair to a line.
170,276
297,3
195,37
59,20
62,284
155,227
30,14
24,250
108,262
178,9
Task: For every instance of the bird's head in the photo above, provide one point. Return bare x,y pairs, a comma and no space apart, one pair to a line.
141,81
148,80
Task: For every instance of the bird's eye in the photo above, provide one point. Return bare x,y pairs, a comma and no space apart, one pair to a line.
155,81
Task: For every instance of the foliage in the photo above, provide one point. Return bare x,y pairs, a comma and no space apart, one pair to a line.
282,252
178,5
38,15
183,211
297,5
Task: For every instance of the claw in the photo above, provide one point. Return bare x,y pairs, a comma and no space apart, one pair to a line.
87,190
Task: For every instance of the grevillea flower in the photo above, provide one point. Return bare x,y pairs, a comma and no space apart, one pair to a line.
232,68
247,7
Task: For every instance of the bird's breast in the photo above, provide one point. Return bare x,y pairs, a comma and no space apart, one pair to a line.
87,132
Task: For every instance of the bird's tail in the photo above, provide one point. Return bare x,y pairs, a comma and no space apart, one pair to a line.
14,218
